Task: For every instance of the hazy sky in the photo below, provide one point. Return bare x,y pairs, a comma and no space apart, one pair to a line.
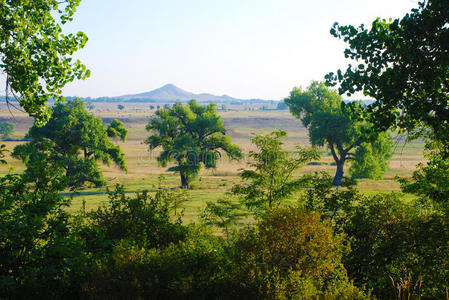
243,48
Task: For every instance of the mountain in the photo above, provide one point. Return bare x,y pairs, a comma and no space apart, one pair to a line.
170,92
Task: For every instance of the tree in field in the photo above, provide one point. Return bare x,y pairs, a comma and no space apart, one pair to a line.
190,136
120,107
75,137
35,55
321,112
117,129
372,160
270,180
404,65
281,105
6,130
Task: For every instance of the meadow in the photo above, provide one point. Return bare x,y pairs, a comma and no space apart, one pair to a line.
241,123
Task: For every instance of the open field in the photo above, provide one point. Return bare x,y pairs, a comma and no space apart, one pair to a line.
144,171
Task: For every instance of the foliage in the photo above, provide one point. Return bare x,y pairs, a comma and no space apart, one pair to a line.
6,130
323,113
35,55
281,105
223,213
271,175
372,160
291,255
75,137
404,65
393,243
2,154
332,203
430,181
90,105
191,136
120,107
36,248
117,129
142,220
189,269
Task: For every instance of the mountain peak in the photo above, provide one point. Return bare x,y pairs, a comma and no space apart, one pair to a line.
170,92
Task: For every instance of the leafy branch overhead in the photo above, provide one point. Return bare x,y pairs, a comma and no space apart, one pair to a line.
404,65
35,54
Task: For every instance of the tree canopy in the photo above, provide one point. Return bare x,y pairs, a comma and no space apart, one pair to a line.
6,130
35,55
372,160
322,112
190,135
75,137
404,65
117,129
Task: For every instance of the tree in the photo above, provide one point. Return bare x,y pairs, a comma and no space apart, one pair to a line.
35,55
75,137
117,129
6,130
90,105
404,65
270,178
191,136
372,160
322,112
281,105
120,107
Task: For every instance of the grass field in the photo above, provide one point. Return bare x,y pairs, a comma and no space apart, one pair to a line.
241,124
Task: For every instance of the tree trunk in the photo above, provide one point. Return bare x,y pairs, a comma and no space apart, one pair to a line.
184,182
339,174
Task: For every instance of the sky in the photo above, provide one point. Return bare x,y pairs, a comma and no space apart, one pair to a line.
242,48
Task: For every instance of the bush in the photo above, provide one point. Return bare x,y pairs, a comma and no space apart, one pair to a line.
396,248
37,250
291,255
189,269
143,220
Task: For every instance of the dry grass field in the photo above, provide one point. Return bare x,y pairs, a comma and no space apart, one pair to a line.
211,184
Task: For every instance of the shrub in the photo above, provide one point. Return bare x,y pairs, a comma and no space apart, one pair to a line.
396,248
189,269
291,254
143,220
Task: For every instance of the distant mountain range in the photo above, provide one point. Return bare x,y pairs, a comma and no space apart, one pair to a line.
172,93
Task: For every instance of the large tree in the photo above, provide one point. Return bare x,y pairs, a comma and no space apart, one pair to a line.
75,137
404,65
322,112
35,55
190,135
